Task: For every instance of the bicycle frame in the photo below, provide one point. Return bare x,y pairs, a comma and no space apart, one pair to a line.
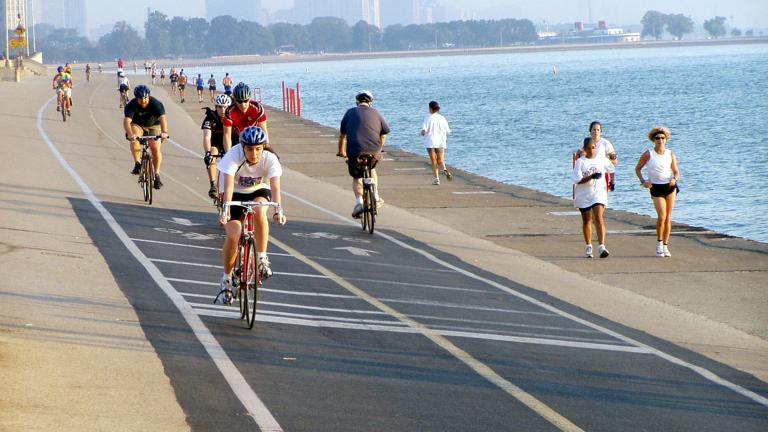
368,218
147,173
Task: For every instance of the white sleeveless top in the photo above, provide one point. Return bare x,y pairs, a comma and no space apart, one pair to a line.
660,167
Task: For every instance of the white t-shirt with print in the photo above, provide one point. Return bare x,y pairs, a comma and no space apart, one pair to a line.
250,178
437,130
594,191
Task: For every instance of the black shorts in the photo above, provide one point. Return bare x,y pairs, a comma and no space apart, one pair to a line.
236,212
123,88
663,190
355,170
212,88
199,88
181,86
588,209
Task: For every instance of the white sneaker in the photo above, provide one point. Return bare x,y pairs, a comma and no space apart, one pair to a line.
263,267
588,251
660,249
357,211
603,251
436,181
666,251
225,292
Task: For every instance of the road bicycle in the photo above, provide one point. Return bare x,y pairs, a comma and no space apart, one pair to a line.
147,171
124,98
368,217
246,277
64,103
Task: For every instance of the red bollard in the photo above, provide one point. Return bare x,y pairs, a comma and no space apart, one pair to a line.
283,95
298,100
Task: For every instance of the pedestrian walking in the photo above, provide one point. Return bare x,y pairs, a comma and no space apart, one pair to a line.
435,131
590,195
663,173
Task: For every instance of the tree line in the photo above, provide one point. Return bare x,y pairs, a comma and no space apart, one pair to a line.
655,23
224,35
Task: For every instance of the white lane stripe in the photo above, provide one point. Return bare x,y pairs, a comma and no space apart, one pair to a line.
217,249
261,311
705,373
479,367
270,317
250,400
464,306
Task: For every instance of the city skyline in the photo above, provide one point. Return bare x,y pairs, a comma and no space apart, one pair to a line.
745,14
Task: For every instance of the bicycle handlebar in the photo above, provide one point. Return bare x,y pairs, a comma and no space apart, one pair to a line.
249,204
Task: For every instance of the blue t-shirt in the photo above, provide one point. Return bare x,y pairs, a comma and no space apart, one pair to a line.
363,127
199,82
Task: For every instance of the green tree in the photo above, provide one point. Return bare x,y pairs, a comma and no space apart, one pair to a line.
198,36
715,26
678,25
179,34
123,41
222,38
330,34
736,32
365,37
63,45
749,33
291,35
254,38
158,36
653,24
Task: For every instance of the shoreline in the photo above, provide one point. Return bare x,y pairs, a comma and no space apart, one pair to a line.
256,59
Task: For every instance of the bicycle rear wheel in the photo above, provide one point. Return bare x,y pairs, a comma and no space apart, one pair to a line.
251,282
64,107
369,208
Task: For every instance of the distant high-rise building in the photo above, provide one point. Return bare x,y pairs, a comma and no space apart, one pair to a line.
400,12
62,14
351,11
249,10
74,16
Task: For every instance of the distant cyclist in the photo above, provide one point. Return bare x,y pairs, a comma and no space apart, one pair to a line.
250,171
62,84
363,131
243,113
145,115
123,85
213,138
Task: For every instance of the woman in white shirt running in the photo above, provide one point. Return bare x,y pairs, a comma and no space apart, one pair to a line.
435,131
590,195
663,174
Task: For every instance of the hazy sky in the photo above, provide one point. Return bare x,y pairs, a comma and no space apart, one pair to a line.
746,13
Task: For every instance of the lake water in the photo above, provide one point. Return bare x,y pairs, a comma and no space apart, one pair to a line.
517,122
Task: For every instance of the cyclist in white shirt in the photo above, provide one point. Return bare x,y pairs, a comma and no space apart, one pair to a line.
250,171
123,85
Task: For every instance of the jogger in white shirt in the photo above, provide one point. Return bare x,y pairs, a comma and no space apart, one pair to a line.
435,129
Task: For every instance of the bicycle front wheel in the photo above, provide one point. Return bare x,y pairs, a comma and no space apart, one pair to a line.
251,282
238,278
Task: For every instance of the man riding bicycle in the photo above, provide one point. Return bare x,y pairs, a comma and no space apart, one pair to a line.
123,85
62,84
243,113
249,172
145,115
213,138
363,131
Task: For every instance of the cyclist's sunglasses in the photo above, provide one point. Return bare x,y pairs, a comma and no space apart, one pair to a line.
242,100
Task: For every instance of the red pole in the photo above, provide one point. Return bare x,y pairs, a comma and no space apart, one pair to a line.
283,95
291,101
298,100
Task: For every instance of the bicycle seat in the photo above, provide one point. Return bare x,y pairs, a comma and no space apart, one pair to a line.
366,160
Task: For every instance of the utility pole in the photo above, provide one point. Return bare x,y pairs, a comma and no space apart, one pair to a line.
6,26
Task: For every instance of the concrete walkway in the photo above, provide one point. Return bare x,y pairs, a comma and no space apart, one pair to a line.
73,357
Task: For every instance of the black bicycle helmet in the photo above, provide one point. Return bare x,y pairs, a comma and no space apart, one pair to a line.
141,91
241,92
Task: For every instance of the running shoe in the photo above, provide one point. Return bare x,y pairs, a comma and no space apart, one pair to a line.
136,168
263,267
666,251
588,251
448,175
436,181
357,211
603,251
212,191
660,249
158,184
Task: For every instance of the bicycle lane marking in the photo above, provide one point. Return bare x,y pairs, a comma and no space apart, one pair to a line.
250,400
703,372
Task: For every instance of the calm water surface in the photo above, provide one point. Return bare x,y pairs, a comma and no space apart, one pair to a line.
516,122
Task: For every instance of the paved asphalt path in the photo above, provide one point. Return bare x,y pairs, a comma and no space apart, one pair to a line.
370,333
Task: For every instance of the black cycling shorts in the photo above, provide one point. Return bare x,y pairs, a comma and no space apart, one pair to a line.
236,212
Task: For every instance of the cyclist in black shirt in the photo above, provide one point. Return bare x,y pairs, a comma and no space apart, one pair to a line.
213,138
145,115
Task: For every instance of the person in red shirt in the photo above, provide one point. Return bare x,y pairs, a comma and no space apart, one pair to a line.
243,113
120,63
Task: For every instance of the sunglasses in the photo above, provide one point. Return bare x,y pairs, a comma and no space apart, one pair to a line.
242,101
659,137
